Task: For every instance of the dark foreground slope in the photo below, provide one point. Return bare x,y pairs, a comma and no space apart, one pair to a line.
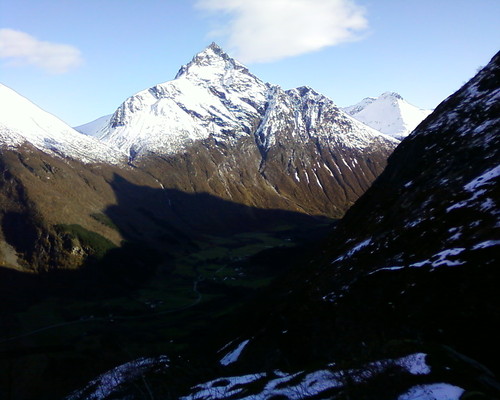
401,303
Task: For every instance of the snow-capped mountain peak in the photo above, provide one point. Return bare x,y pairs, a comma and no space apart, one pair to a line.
214,96
211,63
389,113
23,122
211,96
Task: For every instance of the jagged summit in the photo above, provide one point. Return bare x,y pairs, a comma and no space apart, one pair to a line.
213,60
214,96
391,95
389,113
226,132
210,97
304,91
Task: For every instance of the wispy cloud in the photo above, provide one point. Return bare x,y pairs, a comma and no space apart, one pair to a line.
20,48
268,30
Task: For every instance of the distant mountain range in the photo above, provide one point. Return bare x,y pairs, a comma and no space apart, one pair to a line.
389,113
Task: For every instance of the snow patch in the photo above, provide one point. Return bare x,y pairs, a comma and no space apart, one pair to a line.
486,244
304,384
394,268
415,364
222,388
435,391
233,355
483,179
110,382
441,258
355,249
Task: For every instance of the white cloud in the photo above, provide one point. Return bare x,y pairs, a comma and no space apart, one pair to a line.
268,30
20,48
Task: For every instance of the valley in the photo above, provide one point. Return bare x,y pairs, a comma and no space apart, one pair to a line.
64,339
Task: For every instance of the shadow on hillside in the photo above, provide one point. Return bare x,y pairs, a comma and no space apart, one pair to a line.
144,213
157,224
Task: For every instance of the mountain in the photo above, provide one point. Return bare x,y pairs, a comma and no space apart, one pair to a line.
399,302
22,122
248,141
389,113
214,96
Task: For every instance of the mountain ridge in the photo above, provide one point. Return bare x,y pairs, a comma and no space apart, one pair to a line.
24,122
233,102
215,108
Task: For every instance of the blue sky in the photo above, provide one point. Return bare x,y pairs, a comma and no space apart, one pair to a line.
79,59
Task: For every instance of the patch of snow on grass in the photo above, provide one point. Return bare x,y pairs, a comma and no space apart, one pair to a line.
485,244
394,268
443,255
435,391
460,204
488,204
414,223
475,187
109,382
222,388
301,385
483,179
415,364
233,355
420,263
355,249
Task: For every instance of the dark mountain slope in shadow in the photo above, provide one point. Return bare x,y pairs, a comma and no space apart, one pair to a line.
413,266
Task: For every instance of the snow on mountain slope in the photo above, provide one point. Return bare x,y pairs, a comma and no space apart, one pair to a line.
389,113
216,96
93,128
213,95
320,117
22,122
